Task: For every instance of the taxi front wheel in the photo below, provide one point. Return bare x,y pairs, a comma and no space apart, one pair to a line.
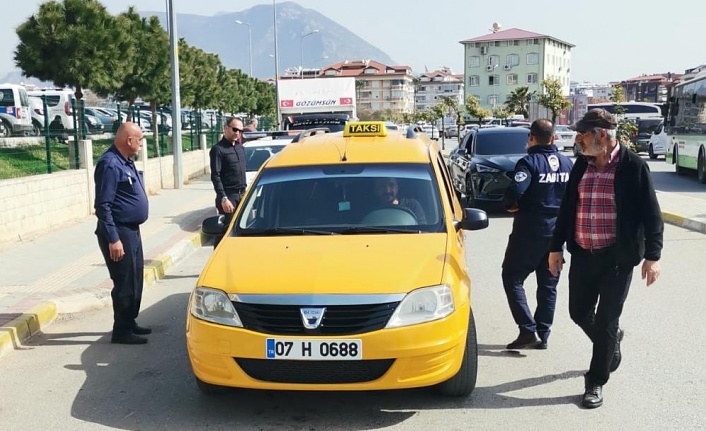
463,383
209,389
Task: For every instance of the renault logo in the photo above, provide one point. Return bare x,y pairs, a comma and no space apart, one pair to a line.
312,317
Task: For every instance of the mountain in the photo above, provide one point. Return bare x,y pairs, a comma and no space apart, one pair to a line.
221,35
16,77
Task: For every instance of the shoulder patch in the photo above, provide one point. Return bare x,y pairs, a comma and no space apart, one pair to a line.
521,176
553,162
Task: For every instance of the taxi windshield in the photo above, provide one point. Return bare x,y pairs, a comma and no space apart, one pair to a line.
342,199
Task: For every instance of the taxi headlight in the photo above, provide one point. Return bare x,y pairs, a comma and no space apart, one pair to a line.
214,306
423,305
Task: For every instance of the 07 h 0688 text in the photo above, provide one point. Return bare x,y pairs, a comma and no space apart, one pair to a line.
315,349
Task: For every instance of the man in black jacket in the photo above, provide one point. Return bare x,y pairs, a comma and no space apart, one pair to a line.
610,220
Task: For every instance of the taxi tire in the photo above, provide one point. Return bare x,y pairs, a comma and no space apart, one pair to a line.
463,383
209,389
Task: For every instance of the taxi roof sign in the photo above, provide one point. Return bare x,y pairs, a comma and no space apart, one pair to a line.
365,128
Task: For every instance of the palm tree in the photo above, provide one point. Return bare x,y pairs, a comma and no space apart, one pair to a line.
359,84
518,101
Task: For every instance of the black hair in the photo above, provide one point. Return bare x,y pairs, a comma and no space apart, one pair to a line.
542,130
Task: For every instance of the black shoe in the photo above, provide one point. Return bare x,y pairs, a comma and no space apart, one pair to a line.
593,395
542,345
523,341
128,339
141,330
617,355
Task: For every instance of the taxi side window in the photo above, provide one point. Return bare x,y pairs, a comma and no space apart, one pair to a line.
448,188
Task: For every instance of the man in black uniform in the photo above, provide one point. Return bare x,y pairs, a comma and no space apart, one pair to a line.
534,196
121,207
228,169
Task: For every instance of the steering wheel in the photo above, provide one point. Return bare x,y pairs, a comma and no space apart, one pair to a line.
392,215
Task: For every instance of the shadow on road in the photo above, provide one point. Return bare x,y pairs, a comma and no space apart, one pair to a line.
151,387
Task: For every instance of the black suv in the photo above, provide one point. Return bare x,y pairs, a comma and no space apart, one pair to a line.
483,165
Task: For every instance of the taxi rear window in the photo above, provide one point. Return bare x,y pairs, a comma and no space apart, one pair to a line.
334,199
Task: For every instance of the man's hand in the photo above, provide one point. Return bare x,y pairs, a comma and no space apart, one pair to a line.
650,271
116,251
227,206
556,262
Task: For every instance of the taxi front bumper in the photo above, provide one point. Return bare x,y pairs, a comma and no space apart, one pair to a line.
397,358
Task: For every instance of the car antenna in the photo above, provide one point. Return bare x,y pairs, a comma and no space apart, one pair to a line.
345,150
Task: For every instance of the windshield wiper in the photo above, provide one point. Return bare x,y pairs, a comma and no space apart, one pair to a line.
375,229
274,231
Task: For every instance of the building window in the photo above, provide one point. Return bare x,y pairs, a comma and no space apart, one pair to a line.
532,58
497,43
493,80
512,79
493,60
493,99
516,42
474,80
535,41
512,60
330,72
531,78
472,45
474,61
370,71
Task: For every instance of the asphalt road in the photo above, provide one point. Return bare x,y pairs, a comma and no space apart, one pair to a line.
72,378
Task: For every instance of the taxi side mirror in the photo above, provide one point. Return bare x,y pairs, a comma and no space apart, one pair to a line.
473,219
214,226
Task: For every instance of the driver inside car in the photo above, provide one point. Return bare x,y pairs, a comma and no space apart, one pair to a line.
386,192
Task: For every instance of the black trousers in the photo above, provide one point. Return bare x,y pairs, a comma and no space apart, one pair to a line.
234,197
523,256
128,277
597,291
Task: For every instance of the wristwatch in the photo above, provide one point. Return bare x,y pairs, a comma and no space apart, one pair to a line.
225,198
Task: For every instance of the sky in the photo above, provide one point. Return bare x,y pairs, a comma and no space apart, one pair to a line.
615,40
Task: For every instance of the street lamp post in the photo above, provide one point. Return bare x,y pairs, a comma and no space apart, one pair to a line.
249,42
301,52
274,19
176,98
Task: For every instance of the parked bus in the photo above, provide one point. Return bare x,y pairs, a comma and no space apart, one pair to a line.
687,127
633,110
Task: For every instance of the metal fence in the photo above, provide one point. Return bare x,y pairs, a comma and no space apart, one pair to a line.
52,144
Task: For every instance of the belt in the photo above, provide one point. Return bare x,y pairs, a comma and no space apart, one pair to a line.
599,251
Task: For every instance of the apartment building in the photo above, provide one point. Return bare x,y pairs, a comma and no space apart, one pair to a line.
432,86
379,86
497,63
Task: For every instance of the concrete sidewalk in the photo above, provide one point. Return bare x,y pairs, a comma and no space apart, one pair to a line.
63,271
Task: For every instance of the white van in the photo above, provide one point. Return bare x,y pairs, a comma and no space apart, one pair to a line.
15,113
58,106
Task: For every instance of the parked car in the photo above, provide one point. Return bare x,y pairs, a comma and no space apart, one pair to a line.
431,131
564,137
658,142
15,114
645,127
482,167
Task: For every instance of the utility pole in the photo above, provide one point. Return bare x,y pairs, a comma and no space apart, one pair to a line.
176,100
274,18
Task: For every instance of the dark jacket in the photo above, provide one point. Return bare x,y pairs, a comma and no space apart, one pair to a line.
227,168
537,189
640,227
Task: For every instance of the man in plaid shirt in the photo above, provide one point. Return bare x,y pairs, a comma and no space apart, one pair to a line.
610,220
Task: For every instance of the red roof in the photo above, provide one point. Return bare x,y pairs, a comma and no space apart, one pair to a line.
358,67
511,34
441,73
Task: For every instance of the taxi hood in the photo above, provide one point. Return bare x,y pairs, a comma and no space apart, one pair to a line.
335,264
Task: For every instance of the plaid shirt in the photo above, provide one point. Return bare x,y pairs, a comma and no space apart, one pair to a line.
596,215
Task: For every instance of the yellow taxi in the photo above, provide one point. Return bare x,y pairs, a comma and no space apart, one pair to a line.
343,268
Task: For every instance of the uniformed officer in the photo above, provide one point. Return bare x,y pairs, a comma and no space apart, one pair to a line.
228,169
534,197
121,207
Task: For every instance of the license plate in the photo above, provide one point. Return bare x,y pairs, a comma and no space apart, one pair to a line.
566,136
326,350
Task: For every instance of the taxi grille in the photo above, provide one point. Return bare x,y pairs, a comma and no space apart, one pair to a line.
337,320
312,372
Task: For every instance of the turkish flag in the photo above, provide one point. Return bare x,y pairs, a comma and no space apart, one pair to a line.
345,101
286,103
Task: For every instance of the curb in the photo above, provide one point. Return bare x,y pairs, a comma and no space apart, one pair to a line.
18,331
683,222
